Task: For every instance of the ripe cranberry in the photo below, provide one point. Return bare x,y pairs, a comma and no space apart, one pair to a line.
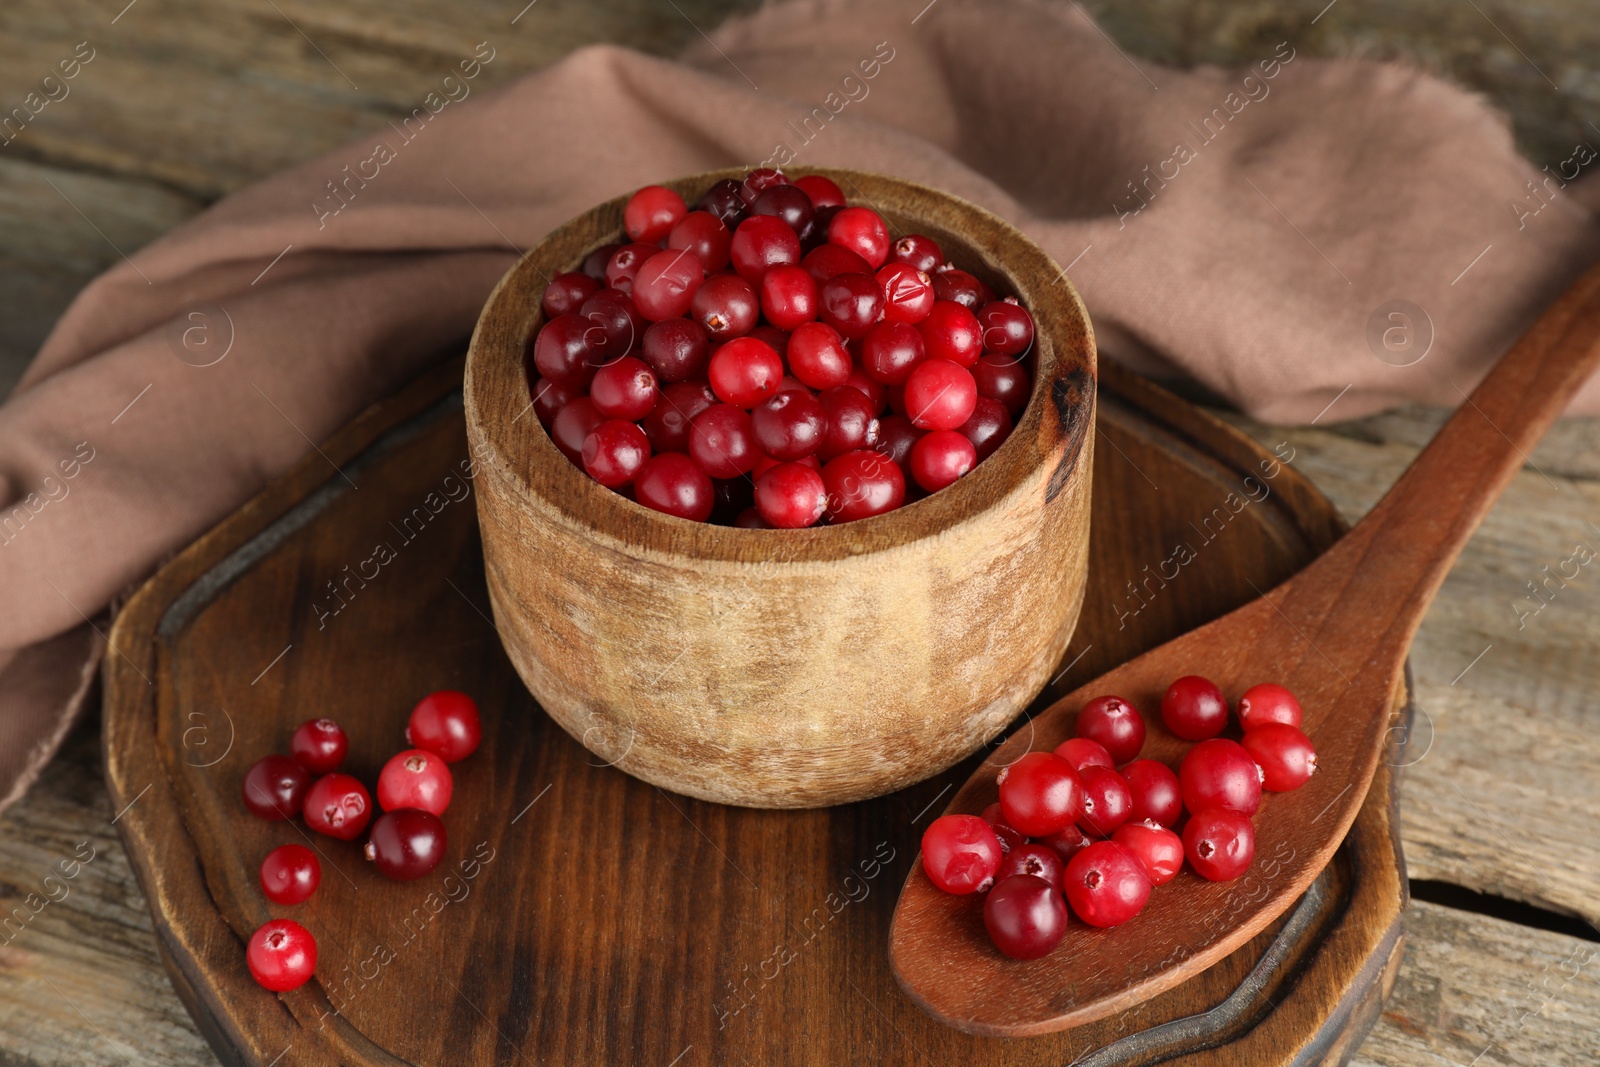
721,441
759,180
1114,723
890,351
940,395
771,336
965,289
625,264
1219,844
677,350
830,261
572,426
750,519
863,232
1268,703
625,388
727,306
788,203
1040,793
745,372
1107,801
788,296
566,293
1220,774
790,425
447,724
851,303
862,484
850,424
877,395
1193,708
725,201
319,745
987,427
614,452
790,496
760,243
290,874
919,252
614,325
652,212
1158,850
666,284
817,355
1082,752
1025,917
1041,861
1106,884
705,235
960,854
951,332
667,425
1284,754
896,438
549,398
672,484
823,192
275,787
1009,836
907,293
594,265
562,351
406,844
415,779
281,955
1157,795
1003,379
1067,841
940,458
1007,328
337,805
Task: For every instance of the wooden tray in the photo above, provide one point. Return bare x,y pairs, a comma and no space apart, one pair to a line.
593,919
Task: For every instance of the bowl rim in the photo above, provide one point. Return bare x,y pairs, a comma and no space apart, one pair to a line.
536,472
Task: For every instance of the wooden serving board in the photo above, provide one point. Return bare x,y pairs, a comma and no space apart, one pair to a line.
586,917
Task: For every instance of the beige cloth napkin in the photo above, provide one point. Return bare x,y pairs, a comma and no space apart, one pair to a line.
1242,228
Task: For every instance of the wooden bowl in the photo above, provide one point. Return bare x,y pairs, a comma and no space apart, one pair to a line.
790,668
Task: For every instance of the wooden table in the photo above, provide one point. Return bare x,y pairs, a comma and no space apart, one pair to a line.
187,101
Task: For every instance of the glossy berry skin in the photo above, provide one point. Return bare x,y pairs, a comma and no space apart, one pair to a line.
790,496
338,806
1266,703
790,425
726,306
951,332
759,180
745,372
940,395
415,779
850,422
275,787
1025,917
676,350
1158,849
890,351
706,236
851,304
562,351
673,485
447,724
667,425
896,438
1003,379
1082,752
830,261
665,285
566,293
919,252
406,844
788,296
823,192
549,398
1220,774
614,452
319,745
987,427
907,293
721,441
1067,842
863,232
1219,844
625,263
1157,795
1040,793
1007,328
1009,836
725,200
960,854
1114,723
1106,884
760,243
1107,801
817,355
788,203
290,874
652,212
875,393
281,955
594,264
613,326
625,388
1193,708
862,484
940,458
572,426
1283,753
1041,861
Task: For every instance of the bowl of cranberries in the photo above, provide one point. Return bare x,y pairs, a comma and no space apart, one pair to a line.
784,479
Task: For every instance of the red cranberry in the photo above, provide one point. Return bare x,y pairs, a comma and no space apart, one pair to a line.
851,303
1107,801
625,388
890,351
415,779
951,332
447,724
759,180
281,955
721,442
652,212
745,372
667,425
1193,708
862,484
703,234
1003,379
290,874
614,452
771,336
1268,703
788,296
1082,752
1156,793
788,203
1219,843
907,293
987,427
830,261
407,844
863,232
614,325
1041,861
1025,917
1220,774
672,484
1158,850
817,355
275,787
823,192
919,252
1284,754
760,243
941,457
725,200
594,265
1114,723
961,287
789,426
750,519
877,395
1007,834
960,854
850,426
549,398
665,286
1007,328
572,426
337,805
625,264
563,353
566,293
940,395
727,306
1040,793
1105,884
896,438
790,496
676,349
319,745
1067,842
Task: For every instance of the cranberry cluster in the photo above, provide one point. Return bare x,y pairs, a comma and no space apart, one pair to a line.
405,842
734,363
1070,825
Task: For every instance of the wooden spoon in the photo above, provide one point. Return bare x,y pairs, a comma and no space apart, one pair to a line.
1336,634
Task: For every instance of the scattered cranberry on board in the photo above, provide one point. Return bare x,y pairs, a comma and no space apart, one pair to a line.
290,874
446,723
282,955
406,844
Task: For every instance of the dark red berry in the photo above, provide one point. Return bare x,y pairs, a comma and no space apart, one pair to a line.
281,955
789,203
896,438
987,427
759,180
1007,328
566,293
1106,884
960,854
862,484
1158,850
1041,861
319,745
1220,774
672,484
1157,796
788,296
760,243
725,201
665,286
337,805
652,212
667,425
407,844
562,351
625,264
614,452
1025,917
750,519
790,496
1067,841
721,441
817,355
1040,793
851,303
850,422
678,350
790,425
1219,843
572,426
1114,723
823,192
890,351
1107,801
447,724
876,393
745,372
1082,752
863,232
705,235
1010,837
594,265
949,283
1283,753
549,398
275,787
625,388
1268,703
613,325
1193,708
940,458
951,332
290,874
1003,379
830,261
919,252
727,306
